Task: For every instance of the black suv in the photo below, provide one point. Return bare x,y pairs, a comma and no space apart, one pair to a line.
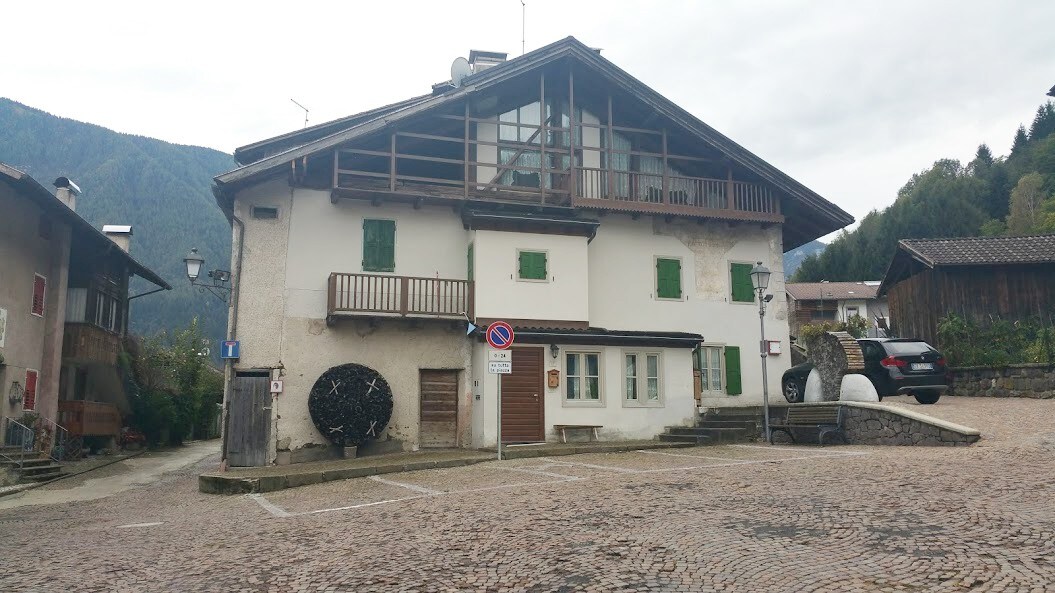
894,366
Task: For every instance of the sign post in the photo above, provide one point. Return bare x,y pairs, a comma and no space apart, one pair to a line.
499,362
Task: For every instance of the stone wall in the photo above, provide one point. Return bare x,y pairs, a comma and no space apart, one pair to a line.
1023,380
871,426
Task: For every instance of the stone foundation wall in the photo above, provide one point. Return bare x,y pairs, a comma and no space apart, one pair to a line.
1024,380
866,426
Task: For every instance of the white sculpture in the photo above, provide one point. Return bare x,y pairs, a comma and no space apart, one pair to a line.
814,391
856,388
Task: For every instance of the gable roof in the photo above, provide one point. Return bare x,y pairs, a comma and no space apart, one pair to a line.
828,291
821,214
83,231
915,254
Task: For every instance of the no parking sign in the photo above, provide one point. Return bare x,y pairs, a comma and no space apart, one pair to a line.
500,335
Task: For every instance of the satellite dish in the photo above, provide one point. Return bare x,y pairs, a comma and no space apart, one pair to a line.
460,69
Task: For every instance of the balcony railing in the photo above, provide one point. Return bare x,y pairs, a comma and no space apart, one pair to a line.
631,187
405,296
85,342
84,418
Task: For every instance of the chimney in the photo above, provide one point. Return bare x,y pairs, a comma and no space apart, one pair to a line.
66,191
120,234
482,60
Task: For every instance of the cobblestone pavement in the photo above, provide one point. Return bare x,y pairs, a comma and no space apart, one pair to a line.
731,518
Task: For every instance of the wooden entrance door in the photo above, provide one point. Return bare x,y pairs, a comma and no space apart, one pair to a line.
439,409
522,398
249,420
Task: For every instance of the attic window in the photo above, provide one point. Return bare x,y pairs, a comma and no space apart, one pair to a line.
265,213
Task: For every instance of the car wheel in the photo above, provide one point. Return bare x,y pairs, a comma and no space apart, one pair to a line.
926,397
792,391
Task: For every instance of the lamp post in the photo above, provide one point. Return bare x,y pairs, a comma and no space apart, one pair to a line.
760,282
220,278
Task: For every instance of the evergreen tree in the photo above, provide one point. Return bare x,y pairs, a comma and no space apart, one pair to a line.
1043,123
1020,141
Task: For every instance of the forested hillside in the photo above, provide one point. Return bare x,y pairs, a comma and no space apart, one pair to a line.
1007,195
163,190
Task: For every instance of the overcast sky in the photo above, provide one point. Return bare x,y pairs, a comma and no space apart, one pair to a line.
849,98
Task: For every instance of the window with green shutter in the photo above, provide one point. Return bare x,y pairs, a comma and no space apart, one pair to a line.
743,290
668,278
733,384
532,265
379,245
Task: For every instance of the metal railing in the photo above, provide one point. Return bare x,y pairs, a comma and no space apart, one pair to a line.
17,440
61,445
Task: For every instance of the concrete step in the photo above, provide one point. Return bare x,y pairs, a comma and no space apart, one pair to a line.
715,435
43,477
696,439
745,424
40,469
27,462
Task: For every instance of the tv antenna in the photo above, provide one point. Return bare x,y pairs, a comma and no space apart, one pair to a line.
305,111
523,27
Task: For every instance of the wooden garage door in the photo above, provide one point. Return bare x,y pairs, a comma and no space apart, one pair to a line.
522,398
439,408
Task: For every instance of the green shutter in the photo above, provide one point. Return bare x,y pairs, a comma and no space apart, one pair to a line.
668,278
743,290
379,245
532,265
733,385
469,257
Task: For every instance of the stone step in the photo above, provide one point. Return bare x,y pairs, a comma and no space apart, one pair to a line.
717,435
745,424
35,470
685,438
27,462
43,477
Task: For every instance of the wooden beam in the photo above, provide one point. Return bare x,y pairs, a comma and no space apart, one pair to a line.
392,164
465,174
573,180
611,145
666,182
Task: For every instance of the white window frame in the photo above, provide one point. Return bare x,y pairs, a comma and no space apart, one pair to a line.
721,371
516,265
642,400
582,403
655,277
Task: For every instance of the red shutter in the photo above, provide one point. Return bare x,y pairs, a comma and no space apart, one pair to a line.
39,287
29,398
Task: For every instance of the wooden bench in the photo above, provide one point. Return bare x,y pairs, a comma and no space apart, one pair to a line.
561,428
827,420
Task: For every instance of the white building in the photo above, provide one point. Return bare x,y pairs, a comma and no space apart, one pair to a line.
554,191
817,302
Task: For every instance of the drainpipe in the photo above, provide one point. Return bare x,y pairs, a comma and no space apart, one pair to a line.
232,333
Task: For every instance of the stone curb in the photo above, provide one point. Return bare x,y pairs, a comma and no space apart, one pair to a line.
225,483
917,416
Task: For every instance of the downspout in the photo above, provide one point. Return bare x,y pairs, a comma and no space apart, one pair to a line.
232,332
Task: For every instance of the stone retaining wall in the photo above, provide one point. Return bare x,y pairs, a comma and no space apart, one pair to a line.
870,426
1022,380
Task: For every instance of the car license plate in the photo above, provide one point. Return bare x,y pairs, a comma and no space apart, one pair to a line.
923,366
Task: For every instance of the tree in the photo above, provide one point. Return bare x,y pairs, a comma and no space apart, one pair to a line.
1043,123
1020,141
1026,199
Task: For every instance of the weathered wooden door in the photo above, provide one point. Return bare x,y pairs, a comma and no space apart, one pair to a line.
439,408
522,398
249,420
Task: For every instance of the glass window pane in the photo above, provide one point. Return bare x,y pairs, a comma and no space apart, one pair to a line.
653,365
631,376
573,388
591,365
573,364
704,380
593,388
653,389
716,369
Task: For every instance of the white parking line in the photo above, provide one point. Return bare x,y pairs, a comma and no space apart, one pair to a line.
800,450
413,487
130,525
365,504
268,506
680,455
537,472
589,465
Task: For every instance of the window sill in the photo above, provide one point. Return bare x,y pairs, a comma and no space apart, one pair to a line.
670,299
582,403
642,404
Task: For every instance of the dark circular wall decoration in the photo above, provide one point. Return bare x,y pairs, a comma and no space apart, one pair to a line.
350,404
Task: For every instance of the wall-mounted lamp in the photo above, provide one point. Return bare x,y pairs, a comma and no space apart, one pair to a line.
554,350
220,278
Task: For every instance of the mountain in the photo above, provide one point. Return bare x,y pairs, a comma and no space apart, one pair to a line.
793,259
1012,195
163,190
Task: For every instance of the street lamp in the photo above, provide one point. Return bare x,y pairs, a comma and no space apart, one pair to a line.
220,278
760,281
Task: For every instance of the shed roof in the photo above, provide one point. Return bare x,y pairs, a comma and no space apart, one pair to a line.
816,291
974,251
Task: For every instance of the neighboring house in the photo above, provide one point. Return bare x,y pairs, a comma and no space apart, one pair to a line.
980,278
817,302
611,228
63,309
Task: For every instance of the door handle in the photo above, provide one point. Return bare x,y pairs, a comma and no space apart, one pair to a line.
266,408
535,395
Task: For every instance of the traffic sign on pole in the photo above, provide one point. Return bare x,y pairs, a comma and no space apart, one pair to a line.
500,335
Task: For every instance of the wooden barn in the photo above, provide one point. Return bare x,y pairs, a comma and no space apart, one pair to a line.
975,277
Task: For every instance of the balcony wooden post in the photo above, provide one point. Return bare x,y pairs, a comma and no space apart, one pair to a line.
666,183
542,137
336,167
465,193
611,145
331,293
573,180
729,189
404,295
392,164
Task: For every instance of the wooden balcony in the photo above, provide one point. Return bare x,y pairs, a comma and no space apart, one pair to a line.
84,418
381,295
88,343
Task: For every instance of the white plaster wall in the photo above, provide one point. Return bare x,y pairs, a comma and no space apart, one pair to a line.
861,304
621,420
499,292
325,237
622,289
